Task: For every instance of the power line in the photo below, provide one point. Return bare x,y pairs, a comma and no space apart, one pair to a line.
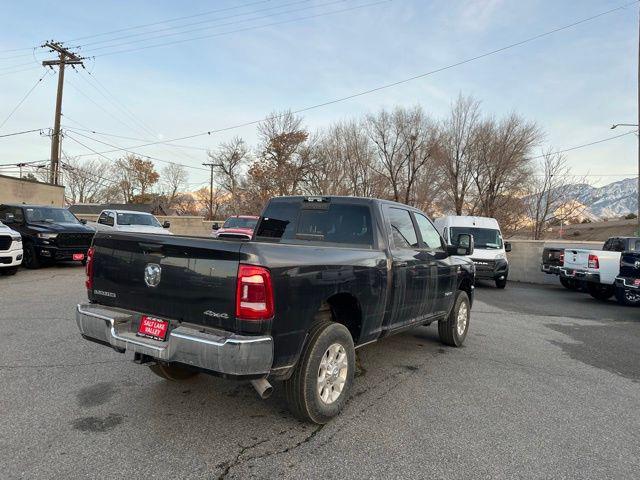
125,137
22,132
201,22
283,22
122,149
174,19
586,145
22,100
399,82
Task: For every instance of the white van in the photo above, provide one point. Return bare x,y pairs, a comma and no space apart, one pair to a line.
490,251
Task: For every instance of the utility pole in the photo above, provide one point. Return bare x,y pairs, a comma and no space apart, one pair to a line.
210,165
65,57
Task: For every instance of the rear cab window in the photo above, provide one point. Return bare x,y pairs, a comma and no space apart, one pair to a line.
317,220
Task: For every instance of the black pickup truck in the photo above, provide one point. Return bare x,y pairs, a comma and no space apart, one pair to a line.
321,277
49,234
628,280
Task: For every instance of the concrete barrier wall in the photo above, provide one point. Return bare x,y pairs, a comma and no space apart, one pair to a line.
180,225
16,190
526,255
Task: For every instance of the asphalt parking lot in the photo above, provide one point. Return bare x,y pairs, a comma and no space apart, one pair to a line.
546,386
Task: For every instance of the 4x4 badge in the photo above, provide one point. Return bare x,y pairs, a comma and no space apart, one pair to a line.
152,274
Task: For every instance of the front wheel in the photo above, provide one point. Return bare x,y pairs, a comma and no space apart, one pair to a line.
453,330
322,380
600,291
175,373
501,282
31,259
628,297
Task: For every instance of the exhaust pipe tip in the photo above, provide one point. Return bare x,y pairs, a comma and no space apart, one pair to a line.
263,387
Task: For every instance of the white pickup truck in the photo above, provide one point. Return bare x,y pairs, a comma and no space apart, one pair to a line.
599,268
131,221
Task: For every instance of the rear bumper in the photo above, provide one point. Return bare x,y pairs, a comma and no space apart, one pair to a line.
216,351
551,269
627,283
579,274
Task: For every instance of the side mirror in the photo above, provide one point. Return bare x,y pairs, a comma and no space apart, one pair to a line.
83,221
166,224
507,246
215,226
463,247
9,218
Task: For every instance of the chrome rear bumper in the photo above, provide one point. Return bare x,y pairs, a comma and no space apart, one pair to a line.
215,350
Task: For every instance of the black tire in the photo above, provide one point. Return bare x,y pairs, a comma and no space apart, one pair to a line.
8,271
627,297
599,291
30,259
301,390
501,283
448,328
569,284
84,262
174,373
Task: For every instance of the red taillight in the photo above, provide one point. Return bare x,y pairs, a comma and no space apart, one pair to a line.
89,269
562,257
254,293
593,261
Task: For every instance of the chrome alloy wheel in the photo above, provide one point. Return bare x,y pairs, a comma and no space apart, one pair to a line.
332,373
463,318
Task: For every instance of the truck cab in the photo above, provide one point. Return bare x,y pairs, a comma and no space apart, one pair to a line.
490,251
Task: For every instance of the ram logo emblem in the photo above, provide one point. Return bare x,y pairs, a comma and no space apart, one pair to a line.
152,273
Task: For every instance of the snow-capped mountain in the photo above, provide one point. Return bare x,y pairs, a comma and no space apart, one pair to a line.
613,200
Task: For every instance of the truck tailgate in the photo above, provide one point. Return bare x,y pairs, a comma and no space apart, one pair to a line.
576,259
196,278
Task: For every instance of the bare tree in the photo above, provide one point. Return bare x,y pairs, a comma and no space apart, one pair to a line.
284,159
501,166
229,160
551,194
135,176
455,152
174,180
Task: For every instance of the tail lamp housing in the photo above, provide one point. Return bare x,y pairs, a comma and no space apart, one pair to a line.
254,293
593,261
89,269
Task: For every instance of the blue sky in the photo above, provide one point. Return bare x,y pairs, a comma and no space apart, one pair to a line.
574,84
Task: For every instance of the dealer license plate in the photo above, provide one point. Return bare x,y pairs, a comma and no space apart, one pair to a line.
153,328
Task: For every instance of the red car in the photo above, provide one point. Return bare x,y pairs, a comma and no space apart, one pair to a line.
237,226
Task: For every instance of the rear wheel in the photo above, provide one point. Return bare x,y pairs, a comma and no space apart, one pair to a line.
626,296
599,291
453,330
8,271
322,380
30,259
569,283
175,373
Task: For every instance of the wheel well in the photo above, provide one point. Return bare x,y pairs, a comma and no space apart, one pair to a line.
345,309
465,285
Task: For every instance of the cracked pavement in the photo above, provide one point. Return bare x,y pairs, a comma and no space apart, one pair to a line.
546,386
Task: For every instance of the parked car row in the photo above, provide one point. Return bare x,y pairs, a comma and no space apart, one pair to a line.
611,271
37,235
